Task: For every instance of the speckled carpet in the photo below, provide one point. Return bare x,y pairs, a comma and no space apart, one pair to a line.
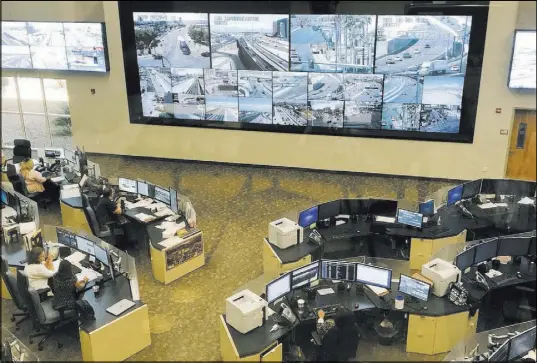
234,205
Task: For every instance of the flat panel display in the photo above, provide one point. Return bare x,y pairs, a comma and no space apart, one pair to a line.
414,287
15,45
308,217
338,270
514,246
334,74
278,287
128,185
85,245
409,218
522,343
427,208
329,209
305,275
373,275
465,259
486,250
162,195
66,238
471,189
101,254
454,195
522,73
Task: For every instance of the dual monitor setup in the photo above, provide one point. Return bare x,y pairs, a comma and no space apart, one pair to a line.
20,207
166,196
515,347
84,245
347,272
514,245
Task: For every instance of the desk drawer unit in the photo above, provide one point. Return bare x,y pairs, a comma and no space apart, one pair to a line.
74,218
420,336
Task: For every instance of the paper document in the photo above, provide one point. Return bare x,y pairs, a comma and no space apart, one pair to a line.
159,205
144,217
57,179
89,273
70,193
503,205
339,223
326,291
385,219
163,212
170,242
27,227
527,201
493,273
76,257
379,291
487,206
70,186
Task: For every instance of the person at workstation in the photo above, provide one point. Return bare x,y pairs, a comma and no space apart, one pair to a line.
65,287
37,183
341,342
106,210
39,269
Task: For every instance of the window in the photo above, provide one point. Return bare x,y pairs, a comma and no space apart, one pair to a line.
36,109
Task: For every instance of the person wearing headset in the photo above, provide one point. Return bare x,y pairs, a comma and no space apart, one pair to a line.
106,210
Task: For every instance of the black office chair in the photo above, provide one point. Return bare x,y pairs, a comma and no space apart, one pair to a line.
22,150
19,185
109,232
11,284
341,342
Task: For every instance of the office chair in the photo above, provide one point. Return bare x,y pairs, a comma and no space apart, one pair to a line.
341,342
108,233
11,284
22,150
19,185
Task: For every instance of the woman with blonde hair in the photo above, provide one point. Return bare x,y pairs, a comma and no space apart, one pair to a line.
37,183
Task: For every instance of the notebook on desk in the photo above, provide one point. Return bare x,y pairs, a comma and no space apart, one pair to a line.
119,307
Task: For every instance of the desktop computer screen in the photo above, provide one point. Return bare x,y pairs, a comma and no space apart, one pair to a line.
414,287
522,343
162,195
337,270
500,354
70,156
471,189
83,181
305,275
409,218
101,254
427,208
143,188
329,209
127,185
278,287
66,238
85,245
374,275
514,246
173,201
384,208
354,206
486,250
5,198
454,195
308,217
465,259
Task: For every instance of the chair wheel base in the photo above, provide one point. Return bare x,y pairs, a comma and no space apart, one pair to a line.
13,319
31,341
40,347
60,345
17,328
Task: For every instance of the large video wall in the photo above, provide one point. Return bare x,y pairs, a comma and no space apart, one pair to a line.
331,74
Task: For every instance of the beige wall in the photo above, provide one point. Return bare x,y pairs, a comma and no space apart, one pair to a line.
101,123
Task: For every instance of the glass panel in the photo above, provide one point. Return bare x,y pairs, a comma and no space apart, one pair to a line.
60,129
11,128
31,95
521,137
56,96
9,94
36,130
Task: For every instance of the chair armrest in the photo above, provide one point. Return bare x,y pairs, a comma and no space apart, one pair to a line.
316,339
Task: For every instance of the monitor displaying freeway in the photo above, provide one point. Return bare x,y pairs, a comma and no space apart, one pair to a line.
336,74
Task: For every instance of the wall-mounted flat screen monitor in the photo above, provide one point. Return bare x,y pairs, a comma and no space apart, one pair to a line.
522,73
397,76
57,46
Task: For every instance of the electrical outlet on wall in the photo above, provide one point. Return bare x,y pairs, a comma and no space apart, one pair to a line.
504,132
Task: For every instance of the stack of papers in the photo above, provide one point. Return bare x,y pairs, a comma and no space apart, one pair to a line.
488,205
163,212
76,257
70,193
526,200
170,242
70,186
385,219
89,273
379,291
493,273
140,204
57,179
144,217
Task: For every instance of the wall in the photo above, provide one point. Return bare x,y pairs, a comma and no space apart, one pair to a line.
101,123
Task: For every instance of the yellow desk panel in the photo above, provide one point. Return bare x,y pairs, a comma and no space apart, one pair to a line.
227,347
449,330
420,336
119,339
472,324
161,274
74,218
274,355
420,252
4,292
272,264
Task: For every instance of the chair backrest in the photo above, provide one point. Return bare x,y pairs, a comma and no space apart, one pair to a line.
11,284
23,285
19,185
85,200
21,150
36,305
5,266
92,220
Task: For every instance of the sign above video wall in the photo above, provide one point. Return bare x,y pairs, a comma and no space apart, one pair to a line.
54,46
364,75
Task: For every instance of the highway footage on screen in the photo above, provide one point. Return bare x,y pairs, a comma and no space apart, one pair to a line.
523,73
334,71
53,46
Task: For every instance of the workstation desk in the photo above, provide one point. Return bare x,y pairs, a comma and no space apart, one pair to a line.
108,337
433,330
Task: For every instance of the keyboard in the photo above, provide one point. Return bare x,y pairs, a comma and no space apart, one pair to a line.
437,230
329,309
278,319
504,279
344,235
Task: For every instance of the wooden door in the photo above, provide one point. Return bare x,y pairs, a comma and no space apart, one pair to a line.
521,160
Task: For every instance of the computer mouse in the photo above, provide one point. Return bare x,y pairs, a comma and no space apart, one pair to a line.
518,274
356,305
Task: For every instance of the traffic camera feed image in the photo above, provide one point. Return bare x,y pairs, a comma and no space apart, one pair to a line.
440,118
255,84
325,86
172,39
188,107
401,116
187,81
221,108
255,110
250,41
85,48
332,43
363,87
290,112
326,113
366,115
220,82
290,85
403,89
47,45
15,45
523,73
156,90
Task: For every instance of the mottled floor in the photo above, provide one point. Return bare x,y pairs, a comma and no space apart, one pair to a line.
234,205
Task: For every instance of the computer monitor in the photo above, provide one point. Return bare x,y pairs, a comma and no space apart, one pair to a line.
354,206
308,217
338,270
486,250
471,189
5,198
414,287
173,201
101,254
522,343
465,259
500,354
385,208
305,275
70,157
329,209
454,195
151,190
83,181
127,185
162,195
409,218
374,275
427,208
85,245
82,161
278,287
66,238
143,188
514,246
488,186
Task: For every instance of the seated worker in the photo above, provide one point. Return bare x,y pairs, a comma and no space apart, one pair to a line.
37,183
341,342
65,287
105,210
323,326
39,269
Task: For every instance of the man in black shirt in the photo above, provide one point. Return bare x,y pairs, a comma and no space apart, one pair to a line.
106,210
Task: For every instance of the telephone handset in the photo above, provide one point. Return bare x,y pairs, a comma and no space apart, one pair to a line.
287,314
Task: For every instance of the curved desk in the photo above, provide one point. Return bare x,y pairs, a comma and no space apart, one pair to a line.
434,330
